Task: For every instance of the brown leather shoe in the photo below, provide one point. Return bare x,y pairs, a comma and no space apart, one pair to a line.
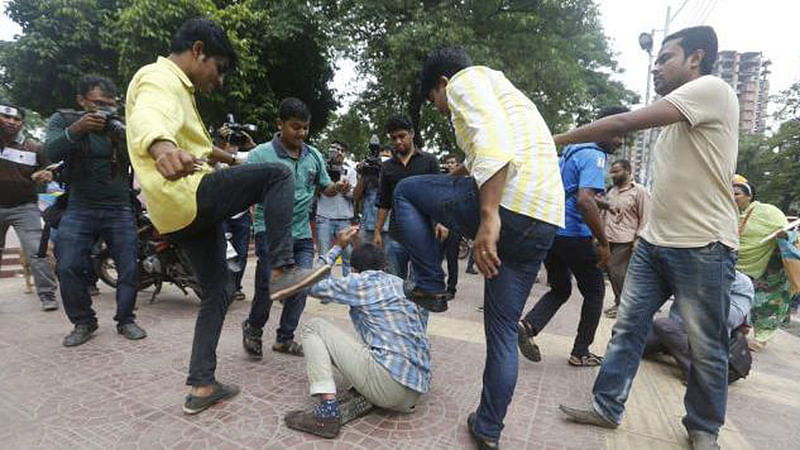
306,421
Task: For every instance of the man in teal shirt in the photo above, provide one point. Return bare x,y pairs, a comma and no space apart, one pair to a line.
287,147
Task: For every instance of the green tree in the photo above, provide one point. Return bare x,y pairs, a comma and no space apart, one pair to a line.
284,49
554,51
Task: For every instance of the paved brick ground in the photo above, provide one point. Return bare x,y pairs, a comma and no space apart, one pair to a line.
112,393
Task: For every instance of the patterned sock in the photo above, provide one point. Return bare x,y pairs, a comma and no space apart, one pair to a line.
327,409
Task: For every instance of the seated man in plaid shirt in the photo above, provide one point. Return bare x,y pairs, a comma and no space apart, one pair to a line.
389,367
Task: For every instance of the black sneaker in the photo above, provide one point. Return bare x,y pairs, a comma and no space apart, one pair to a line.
194,404
432,301
294,279
527,346
80,334
131,331
251,340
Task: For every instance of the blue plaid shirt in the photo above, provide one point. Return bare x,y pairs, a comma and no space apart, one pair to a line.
393,327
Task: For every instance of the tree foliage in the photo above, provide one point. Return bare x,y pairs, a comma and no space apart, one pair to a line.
284,48
554,51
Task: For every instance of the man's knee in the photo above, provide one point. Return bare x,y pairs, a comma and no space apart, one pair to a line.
315,326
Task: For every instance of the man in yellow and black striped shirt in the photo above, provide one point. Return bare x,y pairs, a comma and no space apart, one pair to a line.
509,197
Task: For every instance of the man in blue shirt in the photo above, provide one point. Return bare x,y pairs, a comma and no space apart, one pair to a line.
573,252
389,366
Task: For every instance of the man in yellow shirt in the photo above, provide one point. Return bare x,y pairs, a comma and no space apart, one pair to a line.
172,153
511,204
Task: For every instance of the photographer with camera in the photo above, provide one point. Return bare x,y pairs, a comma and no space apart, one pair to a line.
91,142
335,213
365,194
22,164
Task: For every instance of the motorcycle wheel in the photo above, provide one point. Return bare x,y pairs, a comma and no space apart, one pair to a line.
105,268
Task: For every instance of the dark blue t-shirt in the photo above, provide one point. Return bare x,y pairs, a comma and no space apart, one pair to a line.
583,166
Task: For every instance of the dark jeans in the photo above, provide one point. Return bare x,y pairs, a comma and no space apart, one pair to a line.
578,257
220,195
700,280
453,202
450,247
239,228
79,229
398,258
292,306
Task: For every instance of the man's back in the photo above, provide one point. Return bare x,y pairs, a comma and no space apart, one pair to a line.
495,125
582,166
694,163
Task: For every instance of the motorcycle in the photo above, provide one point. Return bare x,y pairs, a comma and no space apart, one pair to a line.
159,260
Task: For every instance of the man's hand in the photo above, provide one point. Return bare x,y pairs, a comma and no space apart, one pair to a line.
42,176
88,123
485,249
603,252
441,232
346,236
175,163
377,238
343,186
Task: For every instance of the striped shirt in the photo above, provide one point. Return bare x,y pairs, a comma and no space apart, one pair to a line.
496,124
393,327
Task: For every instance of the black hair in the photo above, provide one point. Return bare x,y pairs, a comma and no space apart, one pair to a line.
215,40
341,143
293,108
626,165
453,156
88,82
442,62
697,38
611,111
367,257
398,122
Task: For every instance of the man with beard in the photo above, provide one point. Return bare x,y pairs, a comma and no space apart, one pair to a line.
574,250
21,164
406,161
688,246
624,213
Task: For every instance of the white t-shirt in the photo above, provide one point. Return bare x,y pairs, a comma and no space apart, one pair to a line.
339,206
694,163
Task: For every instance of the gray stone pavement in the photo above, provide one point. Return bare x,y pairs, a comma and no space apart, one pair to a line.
113,393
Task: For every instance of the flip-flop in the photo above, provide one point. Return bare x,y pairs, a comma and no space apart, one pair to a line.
288,347
588,360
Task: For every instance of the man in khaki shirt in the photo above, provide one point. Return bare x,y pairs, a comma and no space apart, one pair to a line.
688,246
624,214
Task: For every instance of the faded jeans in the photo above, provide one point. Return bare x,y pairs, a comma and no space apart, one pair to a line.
27,223
700,280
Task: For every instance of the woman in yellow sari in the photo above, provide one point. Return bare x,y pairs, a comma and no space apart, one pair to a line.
761,261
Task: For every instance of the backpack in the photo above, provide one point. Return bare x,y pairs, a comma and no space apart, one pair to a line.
739,358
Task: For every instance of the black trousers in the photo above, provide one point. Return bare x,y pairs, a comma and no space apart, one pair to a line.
219,196
574,256
451,256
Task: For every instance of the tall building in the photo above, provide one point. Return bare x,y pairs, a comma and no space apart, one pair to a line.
747,73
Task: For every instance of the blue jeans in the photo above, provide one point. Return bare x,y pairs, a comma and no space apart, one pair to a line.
292,306
397,257
524,241
700,280
239,228
326,236
79,229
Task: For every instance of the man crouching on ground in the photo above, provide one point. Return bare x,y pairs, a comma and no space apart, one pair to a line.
391,365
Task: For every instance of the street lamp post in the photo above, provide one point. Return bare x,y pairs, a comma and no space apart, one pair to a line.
646,43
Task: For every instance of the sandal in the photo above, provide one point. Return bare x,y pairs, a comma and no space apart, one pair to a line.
611,312
251,340
289,347
527,346
587,360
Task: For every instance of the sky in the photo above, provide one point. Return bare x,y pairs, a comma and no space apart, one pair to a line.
741,25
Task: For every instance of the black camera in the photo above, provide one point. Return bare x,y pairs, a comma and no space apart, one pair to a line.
236,136
372,163
333,165
115,123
